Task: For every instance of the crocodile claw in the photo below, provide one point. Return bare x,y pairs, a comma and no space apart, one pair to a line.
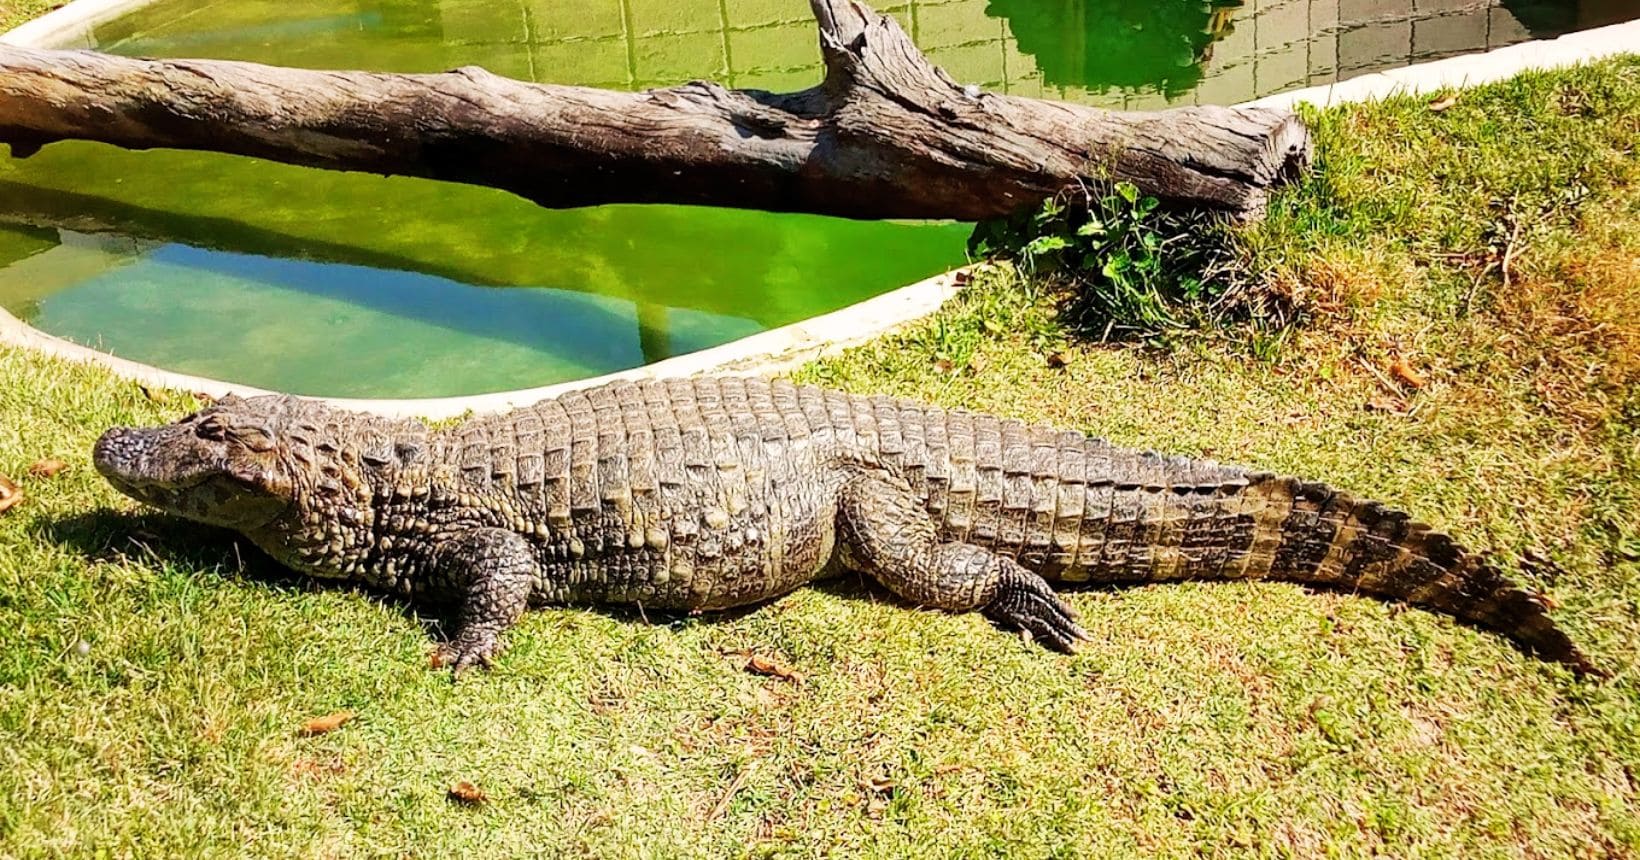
1026,603
464,652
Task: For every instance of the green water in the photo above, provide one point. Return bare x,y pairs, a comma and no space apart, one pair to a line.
355,285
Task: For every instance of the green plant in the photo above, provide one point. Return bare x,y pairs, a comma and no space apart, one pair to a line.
1134,269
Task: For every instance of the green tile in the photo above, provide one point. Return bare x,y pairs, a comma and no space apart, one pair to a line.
681,57
760,13
1283,70
508,61
584,62
483,22
1227,86
1016,63
562,19
971,64
792,46
780,80
1280,26
675,16
954,23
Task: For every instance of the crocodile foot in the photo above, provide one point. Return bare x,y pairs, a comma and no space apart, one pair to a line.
1026,603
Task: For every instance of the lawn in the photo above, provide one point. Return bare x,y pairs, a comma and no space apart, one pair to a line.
15,12
1469,288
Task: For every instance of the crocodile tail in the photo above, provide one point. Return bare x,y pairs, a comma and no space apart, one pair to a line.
1315,535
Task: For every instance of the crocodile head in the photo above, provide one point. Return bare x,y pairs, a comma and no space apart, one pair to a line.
222,466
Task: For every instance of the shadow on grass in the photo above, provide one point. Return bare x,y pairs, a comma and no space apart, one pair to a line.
205,551
103,535
107,535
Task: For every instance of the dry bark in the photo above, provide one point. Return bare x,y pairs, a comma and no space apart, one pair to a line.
887,135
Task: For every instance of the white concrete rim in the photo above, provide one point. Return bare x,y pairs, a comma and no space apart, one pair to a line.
786,347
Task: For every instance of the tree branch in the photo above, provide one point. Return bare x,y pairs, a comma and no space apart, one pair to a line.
887,135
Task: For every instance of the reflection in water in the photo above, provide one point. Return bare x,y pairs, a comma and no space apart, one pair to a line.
1105,44
342,330
736,263
1146,54
1546,19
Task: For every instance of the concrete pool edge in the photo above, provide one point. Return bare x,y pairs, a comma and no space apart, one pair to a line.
788,346
1468,70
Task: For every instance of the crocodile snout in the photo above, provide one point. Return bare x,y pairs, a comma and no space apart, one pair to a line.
117,452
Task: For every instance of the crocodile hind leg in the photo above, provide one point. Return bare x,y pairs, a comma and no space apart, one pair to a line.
490,572
885,532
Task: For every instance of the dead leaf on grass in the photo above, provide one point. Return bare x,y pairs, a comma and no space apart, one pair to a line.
1443,103
327,723
757,664
462,791
878,790
943,366
1406,374
764,666
1057,358
9,494
877,785
47,468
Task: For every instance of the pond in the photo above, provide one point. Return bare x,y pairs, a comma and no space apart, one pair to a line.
353,285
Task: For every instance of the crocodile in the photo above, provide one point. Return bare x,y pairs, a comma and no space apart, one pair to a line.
708,493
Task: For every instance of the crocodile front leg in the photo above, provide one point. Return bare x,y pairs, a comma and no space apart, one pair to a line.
885,533
491,572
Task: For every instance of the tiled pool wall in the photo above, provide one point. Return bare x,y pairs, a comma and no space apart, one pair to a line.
1260,47
1234,53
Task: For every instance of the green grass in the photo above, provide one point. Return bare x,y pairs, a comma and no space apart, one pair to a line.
1222,719
15,12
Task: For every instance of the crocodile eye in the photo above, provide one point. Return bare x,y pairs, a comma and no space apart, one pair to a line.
254,438
211,429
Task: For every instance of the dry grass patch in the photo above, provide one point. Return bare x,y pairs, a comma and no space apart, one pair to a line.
1579,314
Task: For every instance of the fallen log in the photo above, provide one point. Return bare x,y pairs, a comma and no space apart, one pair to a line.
886,135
